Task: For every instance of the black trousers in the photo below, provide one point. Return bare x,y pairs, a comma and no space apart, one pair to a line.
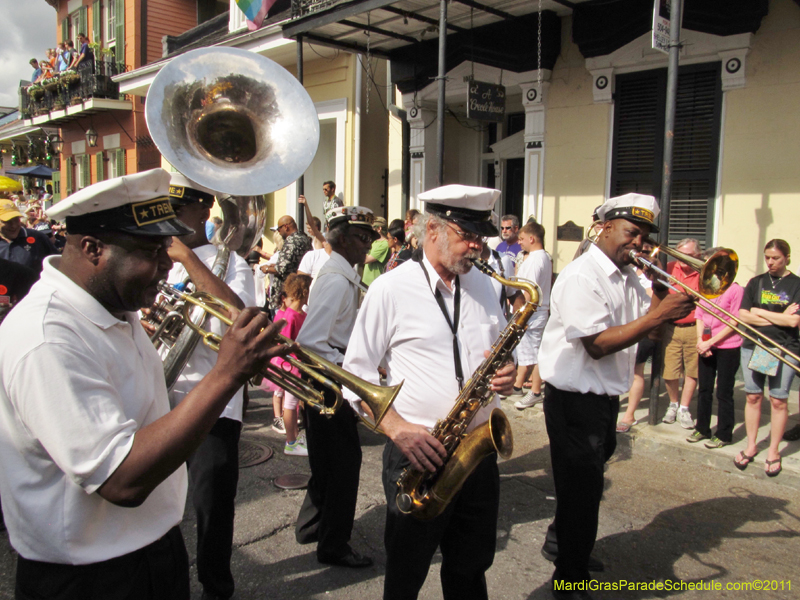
214,475
466,532
722,366
334,455
159,571
581,428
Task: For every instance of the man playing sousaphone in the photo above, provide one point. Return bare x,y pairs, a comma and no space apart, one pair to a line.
430,321
214,467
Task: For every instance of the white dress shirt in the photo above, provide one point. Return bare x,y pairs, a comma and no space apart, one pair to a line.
590,295
239,278
332,308
505,269
77,384
400,325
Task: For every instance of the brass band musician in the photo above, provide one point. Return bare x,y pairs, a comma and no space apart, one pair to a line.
429,322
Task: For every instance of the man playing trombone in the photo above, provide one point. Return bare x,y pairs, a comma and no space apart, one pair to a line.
599,311
94,483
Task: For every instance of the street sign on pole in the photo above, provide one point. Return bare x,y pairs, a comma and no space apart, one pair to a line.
661,9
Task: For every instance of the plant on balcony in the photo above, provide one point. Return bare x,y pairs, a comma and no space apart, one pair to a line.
51,85
69,77
36,92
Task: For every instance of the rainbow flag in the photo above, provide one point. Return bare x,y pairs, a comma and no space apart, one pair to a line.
255,11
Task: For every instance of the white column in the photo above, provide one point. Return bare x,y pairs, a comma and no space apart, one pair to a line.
422,148
533,184
237,20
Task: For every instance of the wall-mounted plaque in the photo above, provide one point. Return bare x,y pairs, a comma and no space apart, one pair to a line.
569,232
486,101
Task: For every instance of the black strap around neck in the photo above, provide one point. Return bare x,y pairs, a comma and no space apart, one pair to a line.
437,294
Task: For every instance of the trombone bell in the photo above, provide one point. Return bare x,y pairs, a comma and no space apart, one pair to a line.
716,274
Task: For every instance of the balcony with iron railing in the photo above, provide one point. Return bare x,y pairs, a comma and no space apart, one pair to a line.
70,93
301,8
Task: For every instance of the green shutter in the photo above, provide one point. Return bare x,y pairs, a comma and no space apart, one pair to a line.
68,179
100,164
56,186
83,21
120,158
119,35
65,30
86,169
97,22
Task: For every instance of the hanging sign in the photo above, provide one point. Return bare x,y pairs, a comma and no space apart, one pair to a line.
486,101
661,23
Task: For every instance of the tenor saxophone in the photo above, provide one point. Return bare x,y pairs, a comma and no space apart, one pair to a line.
425,495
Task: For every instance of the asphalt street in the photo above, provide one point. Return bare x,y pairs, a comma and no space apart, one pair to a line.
667,516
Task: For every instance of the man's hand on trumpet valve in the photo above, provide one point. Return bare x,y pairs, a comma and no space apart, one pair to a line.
249,344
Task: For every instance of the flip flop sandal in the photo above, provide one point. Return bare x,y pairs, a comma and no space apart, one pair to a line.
769,463
745,460
623,427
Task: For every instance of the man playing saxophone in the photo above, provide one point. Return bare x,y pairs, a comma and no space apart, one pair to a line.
430,322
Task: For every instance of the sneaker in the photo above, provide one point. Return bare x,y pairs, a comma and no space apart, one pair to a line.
696,437
528,401
295,449
277,425
515,392
715,442
685,419
672,414
301,437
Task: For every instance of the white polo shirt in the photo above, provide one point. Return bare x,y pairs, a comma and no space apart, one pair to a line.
401,323
313,262
332,308
77,384
239,278
590,295
538,267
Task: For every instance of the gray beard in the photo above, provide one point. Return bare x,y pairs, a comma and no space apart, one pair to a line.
454,264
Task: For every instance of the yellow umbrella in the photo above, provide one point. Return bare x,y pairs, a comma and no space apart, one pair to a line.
9,185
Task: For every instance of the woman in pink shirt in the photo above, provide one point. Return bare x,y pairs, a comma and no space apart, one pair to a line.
719,348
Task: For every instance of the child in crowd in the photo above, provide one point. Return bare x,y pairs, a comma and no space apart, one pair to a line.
296,289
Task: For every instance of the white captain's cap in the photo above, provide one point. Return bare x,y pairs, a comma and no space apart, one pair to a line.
183,190
638,208
353,215
137,204
467,206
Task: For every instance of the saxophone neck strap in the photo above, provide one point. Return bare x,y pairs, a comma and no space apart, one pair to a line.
453,324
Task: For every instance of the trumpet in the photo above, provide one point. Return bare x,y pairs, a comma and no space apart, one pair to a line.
716,275
322,381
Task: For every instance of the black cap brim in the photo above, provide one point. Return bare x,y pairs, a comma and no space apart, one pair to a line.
474,221
653,226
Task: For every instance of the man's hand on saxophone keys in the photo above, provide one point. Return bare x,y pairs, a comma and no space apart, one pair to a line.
503,380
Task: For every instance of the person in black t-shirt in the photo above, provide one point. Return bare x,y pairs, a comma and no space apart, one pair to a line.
770,305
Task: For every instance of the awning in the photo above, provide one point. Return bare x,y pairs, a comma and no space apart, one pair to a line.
39,171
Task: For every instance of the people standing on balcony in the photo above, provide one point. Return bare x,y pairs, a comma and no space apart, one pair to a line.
85,56
63,59
71,54
37,71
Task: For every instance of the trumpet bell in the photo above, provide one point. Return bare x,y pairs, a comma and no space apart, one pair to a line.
232,120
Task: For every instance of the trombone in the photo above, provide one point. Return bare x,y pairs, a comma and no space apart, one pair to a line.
716,275
322,382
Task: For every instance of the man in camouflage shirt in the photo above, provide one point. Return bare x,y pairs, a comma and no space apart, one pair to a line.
295,245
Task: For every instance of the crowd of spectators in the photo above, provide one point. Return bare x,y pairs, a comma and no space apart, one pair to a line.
64,57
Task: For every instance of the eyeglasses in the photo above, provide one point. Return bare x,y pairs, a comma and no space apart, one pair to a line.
469,238
504,227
